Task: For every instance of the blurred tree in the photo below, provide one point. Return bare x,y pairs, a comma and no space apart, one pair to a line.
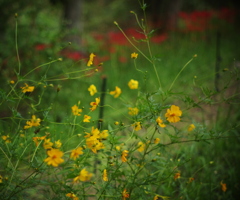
72,20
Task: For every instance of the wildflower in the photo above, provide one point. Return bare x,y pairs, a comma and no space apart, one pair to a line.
118,148
134,55
12,82
86,118
57,144
5,138
76,111
93,140
54,157
103,134
133,84
116,92
133,111
173,114
177,175
124,155
191,127
76,152
33,122
27,88
224,186
92,89
94,104
90,61
156,140
137,126
116,123
160,122
47,144
141,146
191,179
37,139
125,194
72,196
105,176
84,175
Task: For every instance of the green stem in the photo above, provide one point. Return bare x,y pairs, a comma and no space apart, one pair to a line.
181,72
16,42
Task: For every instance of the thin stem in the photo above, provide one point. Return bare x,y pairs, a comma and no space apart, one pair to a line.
181,72
16,43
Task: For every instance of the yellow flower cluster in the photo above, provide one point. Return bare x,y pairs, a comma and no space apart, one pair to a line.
94,139
33,122
27,88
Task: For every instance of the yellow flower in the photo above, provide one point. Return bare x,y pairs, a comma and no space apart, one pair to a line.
124,155
105,176
160,122
133,84
27,88
94,139
156,140
177,175
58,144
118,148
5,138
47,144
125,194
92,89
54,157
134,55
141,146
94,104
76,152
86,118
33,122
103,134
116,92
37,139
90,61
133,111
137,126
76,111
12,81
191,127
173,114
224,186
72,196
84,175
